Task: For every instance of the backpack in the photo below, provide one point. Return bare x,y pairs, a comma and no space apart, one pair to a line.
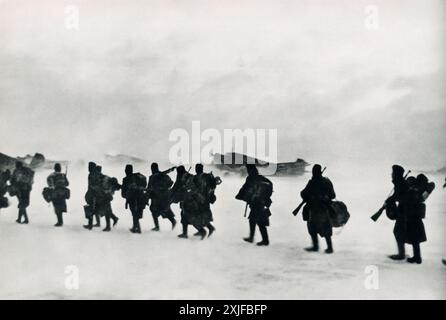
107,189
426,192
47,194
109,184
135,189
161,181
207,184
261,190
140,180
24,176
51,194
176,193
60,180
339,214
61,193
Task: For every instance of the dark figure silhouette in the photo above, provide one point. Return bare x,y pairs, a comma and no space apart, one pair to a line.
206,184
396,207
107,188
256,192
133,190
419,190
21,185
177,193
158,193
5,176
57,184
94,181
317,195
186,194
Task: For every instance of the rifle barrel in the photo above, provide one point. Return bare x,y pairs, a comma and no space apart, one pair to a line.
376,216
296,211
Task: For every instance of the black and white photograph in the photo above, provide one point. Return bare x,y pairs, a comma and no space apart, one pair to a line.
222,150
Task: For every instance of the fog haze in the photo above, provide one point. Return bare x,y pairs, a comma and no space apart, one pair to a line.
135,70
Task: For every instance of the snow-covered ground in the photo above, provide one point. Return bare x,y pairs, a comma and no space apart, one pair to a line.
121,265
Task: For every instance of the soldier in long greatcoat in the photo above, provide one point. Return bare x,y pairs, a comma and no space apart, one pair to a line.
317,195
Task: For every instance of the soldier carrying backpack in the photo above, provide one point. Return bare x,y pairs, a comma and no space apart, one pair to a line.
21,185
94,179
158,194
185,192
57,193
256,192
318,194
418,192
206,184
107,189
133,190
99,196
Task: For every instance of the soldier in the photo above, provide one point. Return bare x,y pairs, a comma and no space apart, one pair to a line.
419,190
186,194
58,183
5,176
106,189
21,185
256,192
193,207
396,206
176,195
133,190
206,183
317,196
158,193
91,195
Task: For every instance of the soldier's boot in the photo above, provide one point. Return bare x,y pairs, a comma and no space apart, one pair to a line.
416,254
89,226
115,219
173,221
184,234
138,226
211,229
315,246
26,221
19,218
265,239
157,224
401,252
59,219
98,221
133,228
107,226
202,233
252,230
329,245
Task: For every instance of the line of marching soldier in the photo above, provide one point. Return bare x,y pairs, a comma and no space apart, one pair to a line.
196,193
193,193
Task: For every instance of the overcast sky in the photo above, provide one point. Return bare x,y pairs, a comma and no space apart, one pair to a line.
135,70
